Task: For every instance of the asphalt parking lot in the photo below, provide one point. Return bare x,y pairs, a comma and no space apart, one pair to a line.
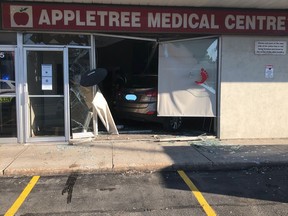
240,192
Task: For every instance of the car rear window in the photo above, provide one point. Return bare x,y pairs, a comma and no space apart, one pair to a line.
143,81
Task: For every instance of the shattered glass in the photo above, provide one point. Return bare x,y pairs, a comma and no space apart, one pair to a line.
80,97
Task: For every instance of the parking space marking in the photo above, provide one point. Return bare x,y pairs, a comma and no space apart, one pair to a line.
207,208
17,204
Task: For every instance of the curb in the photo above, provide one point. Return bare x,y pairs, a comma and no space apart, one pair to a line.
156,168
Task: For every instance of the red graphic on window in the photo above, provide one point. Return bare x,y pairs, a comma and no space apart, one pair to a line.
202,82
204,76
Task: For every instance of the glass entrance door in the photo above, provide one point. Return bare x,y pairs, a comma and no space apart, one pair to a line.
45,95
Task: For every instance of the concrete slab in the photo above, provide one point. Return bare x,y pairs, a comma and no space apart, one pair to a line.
122,153
59,159
236,156
8,153
147,156
255,142
129,155
186,157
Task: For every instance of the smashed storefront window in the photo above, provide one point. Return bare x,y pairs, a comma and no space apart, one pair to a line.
80,96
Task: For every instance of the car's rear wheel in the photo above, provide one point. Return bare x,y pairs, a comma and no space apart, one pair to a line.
173,123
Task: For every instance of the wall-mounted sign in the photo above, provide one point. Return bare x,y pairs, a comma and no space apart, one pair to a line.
72,17
270,47
269,72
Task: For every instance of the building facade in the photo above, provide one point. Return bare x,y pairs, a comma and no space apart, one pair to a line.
226,62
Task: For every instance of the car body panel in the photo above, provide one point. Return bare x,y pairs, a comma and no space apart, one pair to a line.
138,101
142,107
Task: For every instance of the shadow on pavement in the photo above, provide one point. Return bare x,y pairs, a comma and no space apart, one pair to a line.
255,171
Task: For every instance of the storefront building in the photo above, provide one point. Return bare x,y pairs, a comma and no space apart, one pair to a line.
222,62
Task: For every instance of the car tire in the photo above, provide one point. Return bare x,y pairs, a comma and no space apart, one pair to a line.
172,123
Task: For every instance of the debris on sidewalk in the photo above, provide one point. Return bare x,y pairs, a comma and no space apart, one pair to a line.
205,143
187,138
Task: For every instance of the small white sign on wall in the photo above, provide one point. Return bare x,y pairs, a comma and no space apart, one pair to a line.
269,72
270,47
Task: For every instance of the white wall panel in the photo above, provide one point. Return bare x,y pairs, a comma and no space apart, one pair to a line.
252,106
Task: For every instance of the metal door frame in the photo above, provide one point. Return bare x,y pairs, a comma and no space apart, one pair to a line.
27,137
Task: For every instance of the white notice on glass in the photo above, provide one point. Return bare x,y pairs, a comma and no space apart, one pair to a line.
46,70
46,83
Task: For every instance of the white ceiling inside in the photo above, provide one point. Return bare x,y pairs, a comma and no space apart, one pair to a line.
259,4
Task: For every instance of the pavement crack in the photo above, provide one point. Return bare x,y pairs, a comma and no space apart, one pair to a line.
15,158
203,155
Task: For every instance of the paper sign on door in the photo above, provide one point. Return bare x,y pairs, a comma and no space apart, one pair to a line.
46,71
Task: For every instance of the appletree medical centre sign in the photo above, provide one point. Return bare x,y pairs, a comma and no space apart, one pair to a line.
91,18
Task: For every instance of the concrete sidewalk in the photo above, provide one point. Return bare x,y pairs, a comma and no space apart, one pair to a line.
118,154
